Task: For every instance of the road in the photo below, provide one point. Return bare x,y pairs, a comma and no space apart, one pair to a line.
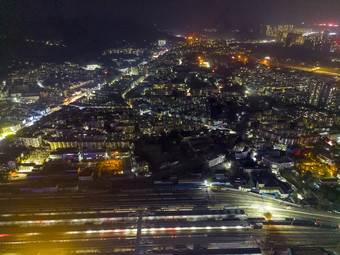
204,219
319,70
257,205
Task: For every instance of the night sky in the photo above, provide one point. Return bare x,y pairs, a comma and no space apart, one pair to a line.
177,13
88,27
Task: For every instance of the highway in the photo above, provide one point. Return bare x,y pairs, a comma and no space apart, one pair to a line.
319,70
203,219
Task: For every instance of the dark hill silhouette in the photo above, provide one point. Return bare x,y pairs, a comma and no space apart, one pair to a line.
85,38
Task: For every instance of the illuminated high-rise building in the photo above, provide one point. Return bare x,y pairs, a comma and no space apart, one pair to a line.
161,43
293,39
287,34
324,94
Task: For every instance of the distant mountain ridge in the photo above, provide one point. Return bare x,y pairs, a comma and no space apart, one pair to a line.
84,38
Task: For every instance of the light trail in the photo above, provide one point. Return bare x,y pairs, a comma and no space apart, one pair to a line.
319,70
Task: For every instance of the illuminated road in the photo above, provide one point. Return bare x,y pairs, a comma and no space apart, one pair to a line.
170,220
74,98
67,101
256,205
319,70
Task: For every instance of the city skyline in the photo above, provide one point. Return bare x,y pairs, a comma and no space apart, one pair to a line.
170,127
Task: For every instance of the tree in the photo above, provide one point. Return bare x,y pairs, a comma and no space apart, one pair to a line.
4,175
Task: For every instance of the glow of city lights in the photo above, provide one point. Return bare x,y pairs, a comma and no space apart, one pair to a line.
331,143
309,33
39,83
